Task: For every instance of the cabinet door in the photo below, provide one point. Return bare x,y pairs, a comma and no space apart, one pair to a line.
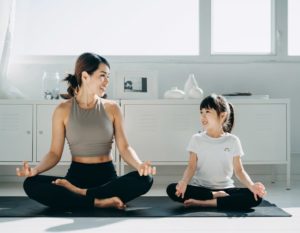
262,129
161,132
44,132
16,133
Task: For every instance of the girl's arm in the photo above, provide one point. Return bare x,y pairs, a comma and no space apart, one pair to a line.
257,188
187,175
56,148
126,151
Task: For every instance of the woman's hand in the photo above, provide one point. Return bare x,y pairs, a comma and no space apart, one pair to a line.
26,170
258,189
180,189
146,169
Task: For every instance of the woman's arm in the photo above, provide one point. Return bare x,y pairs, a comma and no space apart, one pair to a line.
257,188
56,148
126,151
187,175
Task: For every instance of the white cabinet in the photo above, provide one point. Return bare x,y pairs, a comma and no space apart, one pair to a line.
159,130
262,129
16,133
44,131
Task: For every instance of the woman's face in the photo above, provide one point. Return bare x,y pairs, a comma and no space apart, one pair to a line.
99,80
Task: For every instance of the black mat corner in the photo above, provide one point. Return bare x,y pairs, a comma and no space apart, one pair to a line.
157,206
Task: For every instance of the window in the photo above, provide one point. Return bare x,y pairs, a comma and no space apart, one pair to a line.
241,26
114,27
293,28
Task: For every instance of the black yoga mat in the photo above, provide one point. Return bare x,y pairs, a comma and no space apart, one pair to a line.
140,207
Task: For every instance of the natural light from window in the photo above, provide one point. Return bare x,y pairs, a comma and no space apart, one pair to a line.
241,26
114,27
293,27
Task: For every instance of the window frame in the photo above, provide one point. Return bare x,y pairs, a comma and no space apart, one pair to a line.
279,44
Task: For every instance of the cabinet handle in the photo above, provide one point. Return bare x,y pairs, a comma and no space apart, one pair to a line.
28,132
41,132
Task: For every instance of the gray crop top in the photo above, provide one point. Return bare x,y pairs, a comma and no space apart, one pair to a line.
89,132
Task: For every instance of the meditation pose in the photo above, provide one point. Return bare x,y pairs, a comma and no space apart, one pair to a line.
90,124
214,155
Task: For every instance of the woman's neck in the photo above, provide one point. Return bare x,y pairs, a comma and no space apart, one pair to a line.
85,100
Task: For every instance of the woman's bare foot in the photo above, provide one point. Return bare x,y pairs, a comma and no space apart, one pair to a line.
201,203
114,202
219,194
65,183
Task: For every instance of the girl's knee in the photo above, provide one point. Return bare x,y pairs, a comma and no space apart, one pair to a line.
171,189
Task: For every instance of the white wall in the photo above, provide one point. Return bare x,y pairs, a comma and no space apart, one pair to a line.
279,80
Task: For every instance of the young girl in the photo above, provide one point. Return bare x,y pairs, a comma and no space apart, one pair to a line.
214,155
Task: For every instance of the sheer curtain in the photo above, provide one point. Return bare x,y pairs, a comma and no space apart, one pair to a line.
7,14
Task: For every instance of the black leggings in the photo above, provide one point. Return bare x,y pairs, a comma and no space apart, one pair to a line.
100,180
238,199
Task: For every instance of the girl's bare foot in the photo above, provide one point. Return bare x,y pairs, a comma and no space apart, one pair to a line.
201,203
65,183
219,194
114,202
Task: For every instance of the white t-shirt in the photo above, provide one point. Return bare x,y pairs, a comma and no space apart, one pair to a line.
215,159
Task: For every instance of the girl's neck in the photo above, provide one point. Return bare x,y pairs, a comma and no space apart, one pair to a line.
215,133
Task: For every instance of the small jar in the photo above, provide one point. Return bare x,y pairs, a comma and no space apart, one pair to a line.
51,82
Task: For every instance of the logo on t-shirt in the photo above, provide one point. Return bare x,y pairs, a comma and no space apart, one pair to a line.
226,149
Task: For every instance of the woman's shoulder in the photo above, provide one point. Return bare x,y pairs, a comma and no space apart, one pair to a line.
64,105
112,108
109,103
63,108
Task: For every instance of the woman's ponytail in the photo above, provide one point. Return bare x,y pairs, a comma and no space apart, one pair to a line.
73,84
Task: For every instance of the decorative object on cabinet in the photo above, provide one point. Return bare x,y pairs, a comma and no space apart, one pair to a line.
136,85
191,88
51,85
174,93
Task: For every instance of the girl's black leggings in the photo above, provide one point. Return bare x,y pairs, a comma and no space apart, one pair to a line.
100,180
238,199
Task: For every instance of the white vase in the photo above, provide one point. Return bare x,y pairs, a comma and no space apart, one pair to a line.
191,88
195,93
174,93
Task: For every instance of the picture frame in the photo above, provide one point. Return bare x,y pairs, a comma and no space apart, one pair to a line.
136,85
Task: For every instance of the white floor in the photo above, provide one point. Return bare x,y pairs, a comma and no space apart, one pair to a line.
286,199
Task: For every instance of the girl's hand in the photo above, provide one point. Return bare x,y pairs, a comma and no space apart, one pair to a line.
26,170
180,189
258,189
146,169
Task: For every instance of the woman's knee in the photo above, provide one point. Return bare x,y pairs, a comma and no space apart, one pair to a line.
144,181
28,185
147,182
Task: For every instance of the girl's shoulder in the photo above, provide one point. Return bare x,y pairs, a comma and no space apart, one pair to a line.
198,136
232,137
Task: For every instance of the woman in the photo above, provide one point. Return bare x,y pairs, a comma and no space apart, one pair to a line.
89,123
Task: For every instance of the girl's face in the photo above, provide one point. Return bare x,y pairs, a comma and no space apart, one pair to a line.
99,80
210,120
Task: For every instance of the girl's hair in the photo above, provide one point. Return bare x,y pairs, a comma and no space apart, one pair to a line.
220,104
88,62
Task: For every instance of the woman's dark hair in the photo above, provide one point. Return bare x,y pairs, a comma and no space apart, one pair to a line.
88,62
220,104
